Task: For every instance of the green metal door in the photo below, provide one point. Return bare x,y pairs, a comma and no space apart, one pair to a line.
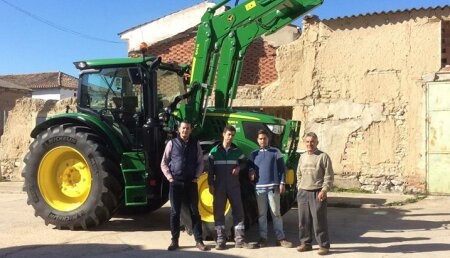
438,138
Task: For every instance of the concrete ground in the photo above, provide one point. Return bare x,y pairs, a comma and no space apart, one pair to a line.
414,230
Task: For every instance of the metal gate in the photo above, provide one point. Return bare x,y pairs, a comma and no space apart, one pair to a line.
438,137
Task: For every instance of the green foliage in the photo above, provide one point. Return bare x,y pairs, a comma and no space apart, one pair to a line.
350,190
414,199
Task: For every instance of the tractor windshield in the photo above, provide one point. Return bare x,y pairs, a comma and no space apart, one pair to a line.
111,90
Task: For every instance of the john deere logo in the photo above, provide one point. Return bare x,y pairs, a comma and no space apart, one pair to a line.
230,18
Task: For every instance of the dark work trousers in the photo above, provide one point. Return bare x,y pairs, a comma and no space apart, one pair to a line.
220,199
312,217
184,192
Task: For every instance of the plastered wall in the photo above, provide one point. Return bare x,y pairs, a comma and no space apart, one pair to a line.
359,84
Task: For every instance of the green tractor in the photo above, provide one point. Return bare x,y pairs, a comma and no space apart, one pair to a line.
82,167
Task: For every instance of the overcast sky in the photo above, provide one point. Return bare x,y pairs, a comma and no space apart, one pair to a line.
49,35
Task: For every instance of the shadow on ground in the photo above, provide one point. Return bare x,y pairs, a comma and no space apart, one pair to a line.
98,250
394,225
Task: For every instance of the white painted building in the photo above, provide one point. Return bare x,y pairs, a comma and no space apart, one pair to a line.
166,27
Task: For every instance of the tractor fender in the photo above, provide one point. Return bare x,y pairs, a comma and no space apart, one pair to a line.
101,128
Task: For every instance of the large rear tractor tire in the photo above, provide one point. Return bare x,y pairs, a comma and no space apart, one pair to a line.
71,178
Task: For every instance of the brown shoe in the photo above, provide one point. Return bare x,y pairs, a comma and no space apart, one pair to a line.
323,251
284,243
304,248
201,246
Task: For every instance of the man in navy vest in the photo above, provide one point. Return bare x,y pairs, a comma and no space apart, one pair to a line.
182,164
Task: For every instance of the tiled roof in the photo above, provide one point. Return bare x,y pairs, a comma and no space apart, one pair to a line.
43,80
390,12
10,85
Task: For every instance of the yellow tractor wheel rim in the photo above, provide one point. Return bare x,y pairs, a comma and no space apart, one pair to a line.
205,204
64,178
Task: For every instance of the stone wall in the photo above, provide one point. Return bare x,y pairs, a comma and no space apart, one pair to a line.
21,121
358,82
8,99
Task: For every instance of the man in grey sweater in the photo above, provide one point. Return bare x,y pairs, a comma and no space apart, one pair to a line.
314,179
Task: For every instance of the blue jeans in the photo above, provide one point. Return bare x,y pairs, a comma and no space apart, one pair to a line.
184,192
271,197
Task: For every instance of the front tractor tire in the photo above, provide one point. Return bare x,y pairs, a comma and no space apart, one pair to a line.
71,178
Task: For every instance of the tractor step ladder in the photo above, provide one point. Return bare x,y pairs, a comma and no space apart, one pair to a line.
135,176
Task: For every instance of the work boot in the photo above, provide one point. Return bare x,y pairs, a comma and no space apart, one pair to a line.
173,246
220,246
262,242
284,243
245,245
201,246
323,251
304,248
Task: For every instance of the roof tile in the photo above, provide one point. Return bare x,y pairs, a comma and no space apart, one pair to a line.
43,80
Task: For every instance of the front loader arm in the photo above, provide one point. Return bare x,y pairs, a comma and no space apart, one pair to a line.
222,41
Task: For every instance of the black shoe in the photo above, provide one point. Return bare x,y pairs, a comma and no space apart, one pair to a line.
201,246
220,246
245,245
262,242
173,246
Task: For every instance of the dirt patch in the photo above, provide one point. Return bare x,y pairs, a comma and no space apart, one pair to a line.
16,137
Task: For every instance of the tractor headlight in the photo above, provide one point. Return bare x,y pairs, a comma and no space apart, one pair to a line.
80,65
276,129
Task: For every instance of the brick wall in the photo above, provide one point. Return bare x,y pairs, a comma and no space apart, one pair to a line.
445,43
259,62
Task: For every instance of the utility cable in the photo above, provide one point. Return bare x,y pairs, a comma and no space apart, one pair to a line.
58,27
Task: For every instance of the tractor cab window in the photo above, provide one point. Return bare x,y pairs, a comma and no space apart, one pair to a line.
115,94
170,85
111,90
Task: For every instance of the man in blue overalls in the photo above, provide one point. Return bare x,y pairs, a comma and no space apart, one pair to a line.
223,180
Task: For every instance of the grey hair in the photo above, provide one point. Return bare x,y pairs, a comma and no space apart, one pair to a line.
313,135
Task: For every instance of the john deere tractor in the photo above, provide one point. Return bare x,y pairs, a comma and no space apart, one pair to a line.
82,167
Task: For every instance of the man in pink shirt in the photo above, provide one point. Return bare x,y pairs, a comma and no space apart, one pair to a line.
182,164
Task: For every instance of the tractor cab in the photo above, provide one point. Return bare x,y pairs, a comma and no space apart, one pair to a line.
126,94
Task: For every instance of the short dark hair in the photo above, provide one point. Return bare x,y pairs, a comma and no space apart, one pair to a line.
311,134
262,131
229,128
186,122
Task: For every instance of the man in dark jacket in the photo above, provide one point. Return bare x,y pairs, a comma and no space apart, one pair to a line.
223,181
182,164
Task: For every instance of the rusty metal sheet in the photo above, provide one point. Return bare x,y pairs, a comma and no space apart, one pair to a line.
438,96
438,138
438,132
439,173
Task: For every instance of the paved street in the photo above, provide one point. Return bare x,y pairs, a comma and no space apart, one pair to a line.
415,230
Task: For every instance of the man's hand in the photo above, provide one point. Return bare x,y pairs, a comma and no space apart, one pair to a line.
251,175
322,196
282,188
235,171
211,189
170,180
